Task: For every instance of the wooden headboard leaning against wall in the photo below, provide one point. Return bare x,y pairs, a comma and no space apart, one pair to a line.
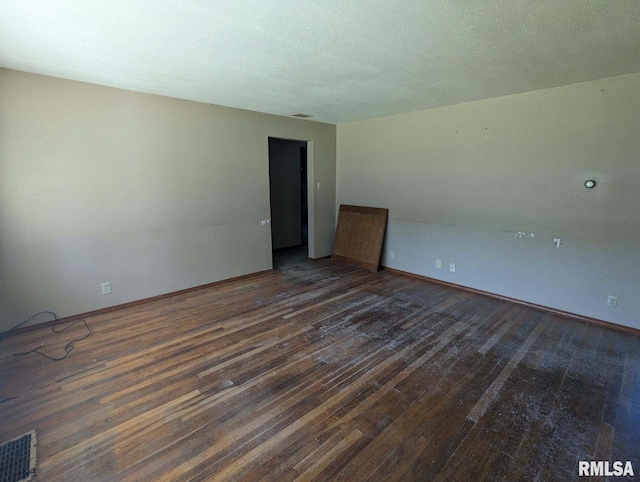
359,236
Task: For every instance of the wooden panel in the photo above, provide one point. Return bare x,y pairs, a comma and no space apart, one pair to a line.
327,372
359,236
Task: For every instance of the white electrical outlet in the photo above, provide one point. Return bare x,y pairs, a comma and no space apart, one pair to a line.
438,263
318,185
452,267
106,288
612,301
392,255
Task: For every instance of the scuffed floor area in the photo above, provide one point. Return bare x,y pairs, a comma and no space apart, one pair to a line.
320,371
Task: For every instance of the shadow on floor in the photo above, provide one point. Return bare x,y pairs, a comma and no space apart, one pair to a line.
289,256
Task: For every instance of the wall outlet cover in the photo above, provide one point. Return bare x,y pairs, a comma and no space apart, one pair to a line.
438,263
106,288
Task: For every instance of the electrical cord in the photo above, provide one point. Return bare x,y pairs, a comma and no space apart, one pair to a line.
68,348
55,317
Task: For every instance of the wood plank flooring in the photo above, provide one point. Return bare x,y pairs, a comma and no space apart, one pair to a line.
320,371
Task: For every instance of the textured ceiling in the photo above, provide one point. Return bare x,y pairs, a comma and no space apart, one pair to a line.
336,60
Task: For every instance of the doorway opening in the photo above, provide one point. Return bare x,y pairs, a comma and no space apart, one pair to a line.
289,200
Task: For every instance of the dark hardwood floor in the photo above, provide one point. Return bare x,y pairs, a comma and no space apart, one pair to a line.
320,371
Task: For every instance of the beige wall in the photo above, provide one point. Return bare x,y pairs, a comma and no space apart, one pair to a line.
153,194
461,181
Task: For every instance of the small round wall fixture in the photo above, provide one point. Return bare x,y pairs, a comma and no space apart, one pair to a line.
590,184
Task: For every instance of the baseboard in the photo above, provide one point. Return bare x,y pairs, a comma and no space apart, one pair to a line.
143,301
575,316
320,258
130,304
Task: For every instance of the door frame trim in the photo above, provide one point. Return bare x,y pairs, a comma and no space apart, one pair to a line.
311,188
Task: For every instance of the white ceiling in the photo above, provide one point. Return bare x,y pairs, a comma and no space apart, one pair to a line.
339,61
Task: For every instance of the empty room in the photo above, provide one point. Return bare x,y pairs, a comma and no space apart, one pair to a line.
290,240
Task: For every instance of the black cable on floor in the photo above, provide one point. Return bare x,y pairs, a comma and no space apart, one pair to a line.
55,317
68,348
